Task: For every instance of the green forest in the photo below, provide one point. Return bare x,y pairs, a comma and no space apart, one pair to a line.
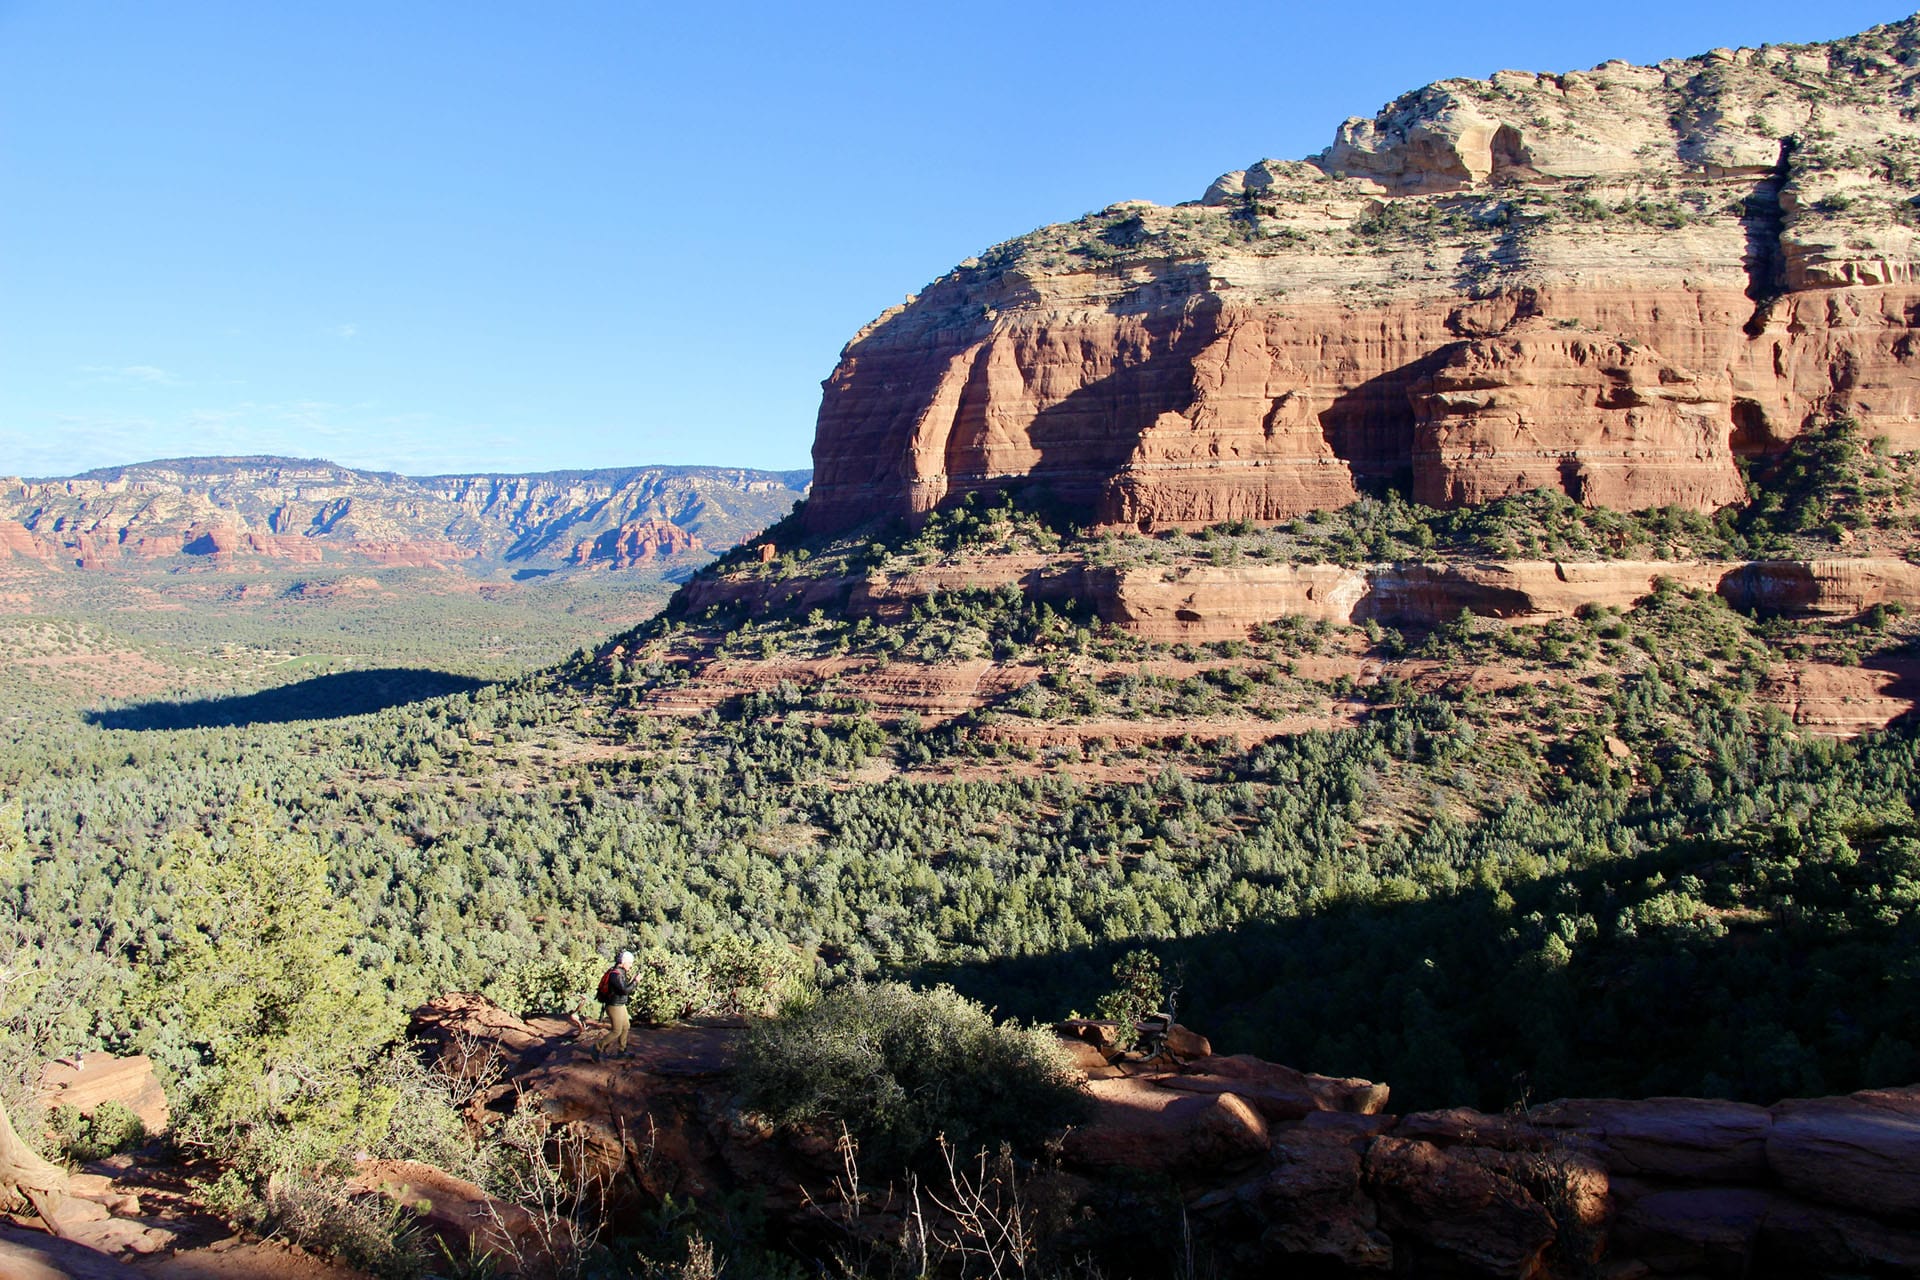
1626,874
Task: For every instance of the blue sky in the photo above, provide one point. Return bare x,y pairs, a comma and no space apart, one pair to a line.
436,237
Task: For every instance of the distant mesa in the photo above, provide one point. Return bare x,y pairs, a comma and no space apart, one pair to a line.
223,513
1613,283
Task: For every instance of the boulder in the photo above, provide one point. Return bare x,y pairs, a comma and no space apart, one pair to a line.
1709,1231
1138,1126
1184,1045
1313,1206
101,1189
72,1213
1574,1187
1859,1152
1808,1239
1086,1058
123,1235
460,1213
1454,1212
1685,1139
1280,1093
1226,1132
1101,1033
85,1082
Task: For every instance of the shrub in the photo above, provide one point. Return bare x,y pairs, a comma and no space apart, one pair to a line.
368,1232
110,1128
1139,989
664,987
744,977
900,1067
723,975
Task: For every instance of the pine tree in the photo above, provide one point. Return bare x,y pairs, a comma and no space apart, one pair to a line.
272,1015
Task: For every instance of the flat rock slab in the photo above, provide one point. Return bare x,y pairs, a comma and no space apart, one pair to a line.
124,1236
33,1255
1137,1125
1281,1093
1860,1152
101,1077
235,1259
681,1051
1712,1229
1462,1126
1685,1139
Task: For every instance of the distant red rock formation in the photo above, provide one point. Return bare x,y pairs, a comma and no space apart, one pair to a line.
15,541
632,542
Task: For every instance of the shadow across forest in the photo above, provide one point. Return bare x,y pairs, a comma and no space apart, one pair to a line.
327,697
1467,999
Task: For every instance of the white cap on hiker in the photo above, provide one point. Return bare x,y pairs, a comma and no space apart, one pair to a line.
626,957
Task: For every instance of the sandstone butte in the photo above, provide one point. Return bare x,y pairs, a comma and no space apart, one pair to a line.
1613,283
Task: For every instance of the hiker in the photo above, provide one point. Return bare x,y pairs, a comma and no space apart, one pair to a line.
616,984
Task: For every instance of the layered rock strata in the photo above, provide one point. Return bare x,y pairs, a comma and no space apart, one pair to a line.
1205,602
1613,283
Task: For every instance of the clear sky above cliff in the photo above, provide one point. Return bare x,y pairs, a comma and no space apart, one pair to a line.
440,236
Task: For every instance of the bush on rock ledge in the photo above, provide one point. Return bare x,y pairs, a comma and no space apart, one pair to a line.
900,1067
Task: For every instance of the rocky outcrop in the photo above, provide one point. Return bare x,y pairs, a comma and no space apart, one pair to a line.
1612,283
1611,422
17,543
1199,602
89,1080
1840,588
1278,1169
468,1221
633,542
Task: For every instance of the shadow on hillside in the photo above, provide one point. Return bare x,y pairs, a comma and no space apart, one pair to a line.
328,697
1460,1000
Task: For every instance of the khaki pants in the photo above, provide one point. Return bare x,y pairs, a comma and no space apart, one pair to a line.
618,1025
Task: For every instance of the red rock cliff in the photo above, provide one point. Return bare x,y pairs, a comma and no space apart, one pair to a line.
1610,282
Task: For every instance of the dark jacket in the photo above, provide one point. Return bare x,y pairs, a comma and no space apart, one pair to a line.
619,987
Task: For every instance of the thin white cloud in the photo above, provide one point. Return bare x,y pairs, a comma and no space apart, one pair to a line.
359,435
152,375
347,332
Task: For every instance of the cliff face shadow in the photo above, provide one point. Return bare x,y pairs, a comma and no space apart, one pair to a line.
1371,427
1085,439
328,697
1464,1000
1763,220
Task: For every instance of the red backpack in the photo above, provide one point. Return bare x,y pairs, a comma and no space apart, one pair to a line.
604,992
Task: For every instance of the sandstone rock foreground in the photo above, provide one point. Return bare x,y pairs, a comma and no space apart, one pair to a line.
1280,1169
1611,282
